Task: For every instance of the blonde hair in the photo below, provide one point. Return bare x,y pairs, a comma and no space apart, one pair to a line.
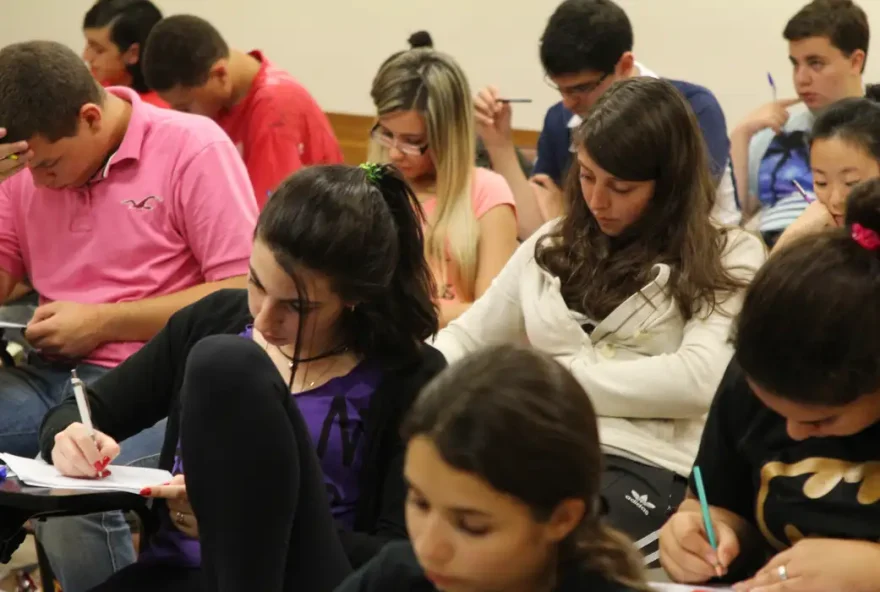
433,84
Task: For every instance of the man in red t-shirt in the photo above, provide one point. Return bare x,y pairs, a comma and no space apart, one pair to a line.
273,120
115,32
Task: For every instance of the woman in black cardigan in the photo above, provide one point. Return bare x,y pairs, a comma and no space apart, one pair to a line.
338,303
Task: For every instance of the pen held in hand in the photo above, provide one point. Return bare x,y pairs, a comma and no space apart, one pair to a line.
82,403
801,190
772,85
514,100
707,517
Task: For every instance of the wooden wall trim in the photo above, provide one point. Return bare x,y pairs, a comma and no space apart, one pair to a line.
353,132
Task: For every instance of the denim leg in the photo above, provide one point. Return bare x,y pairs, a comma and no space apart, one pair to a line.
26,393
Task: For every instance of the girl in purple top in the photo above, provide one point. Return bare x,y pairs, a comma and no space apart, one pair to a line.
284,403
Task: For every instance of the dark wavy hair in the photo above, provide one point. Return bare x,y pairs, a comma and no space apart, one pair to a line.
642,129
517,419
366,236
809,329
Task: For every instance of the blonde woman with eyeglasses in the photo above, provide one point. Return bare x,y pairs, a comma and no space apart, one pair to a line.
425,128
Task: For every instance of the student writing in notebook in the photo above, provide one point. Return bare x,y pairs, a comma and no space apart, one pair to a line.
503,468
844,151
634,291
789,456
426,129
285,399
275,123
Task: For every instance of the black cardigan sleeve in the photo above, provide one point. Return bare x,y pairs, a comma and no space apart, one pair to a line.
389,521
138,393
361,547
129,399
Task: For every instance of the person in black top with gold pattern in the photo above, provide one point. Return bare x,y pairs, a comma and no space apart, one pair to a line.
503,464
789,455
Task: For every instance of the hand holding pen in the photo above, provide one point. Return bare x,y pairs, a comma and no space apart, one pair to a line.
694,547
493,117
80,450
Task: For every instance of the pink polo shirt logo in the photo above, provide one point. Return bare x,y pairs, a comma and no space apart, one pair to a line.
144,204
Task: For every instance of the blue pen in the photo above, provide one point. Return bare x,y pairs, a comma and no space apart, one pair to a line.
772,85
704,506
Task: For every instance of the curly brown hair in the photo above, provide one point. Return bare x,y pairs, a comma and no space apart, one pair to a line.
642,129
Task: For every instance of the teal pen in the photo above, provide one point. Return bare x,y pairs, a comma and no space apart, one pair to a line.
704,506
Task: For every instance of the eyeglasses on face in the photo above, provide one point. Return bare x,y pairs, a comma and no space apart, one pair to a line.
384,138
577,90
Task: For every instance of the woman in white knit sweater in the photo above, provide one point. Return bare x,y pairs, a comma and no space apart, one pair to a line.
634,291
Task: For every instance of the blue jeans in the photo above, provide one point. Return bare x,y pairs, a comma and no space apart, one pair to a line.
27,392
86,550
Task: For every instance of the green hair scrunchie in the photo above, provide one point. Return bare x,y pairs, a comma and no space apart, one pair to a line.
373,170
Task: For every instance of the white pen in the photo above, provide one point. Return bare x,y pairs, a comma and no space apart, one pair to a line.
82,403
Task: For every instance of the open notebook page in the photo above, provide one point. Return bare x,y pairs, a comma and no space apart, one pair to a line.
37,473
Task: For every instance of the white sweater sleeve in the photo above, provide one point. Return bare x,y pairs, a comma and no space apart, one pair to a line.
677,385
497,316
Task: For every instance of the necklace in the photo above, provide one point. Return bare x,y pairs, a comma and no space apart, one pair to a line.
336,351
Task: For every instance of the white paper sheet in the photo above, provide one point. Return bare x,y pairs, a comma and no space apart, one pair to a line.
665,587
38,473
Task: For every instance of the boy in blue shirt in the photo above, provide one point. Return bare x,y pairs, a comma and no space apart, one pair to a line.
586,46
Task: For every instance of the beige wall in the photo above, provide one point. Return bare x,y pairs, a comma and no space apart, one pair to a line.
334,46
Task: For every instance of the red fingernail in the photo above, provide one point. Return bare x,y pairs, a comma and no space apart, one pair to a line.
98,466
146,491
105,474
106,460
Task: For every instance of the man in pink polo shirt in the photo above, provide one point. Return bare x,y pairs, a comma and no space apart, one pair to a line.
272,119
124,214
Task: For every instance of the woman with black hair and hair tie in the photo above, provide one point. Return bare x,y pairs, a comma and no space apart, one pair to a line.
322,354
789,457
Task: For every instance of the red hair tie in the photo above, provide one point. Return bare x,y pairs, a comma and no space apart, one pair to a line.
867,238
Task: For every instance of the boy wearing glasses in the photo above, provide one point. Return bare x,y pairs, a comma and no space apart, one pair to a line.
586,47
273,120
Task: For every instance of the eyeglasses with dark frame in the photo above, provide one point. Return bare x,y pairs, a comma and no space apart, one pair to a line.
582,89
382,137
